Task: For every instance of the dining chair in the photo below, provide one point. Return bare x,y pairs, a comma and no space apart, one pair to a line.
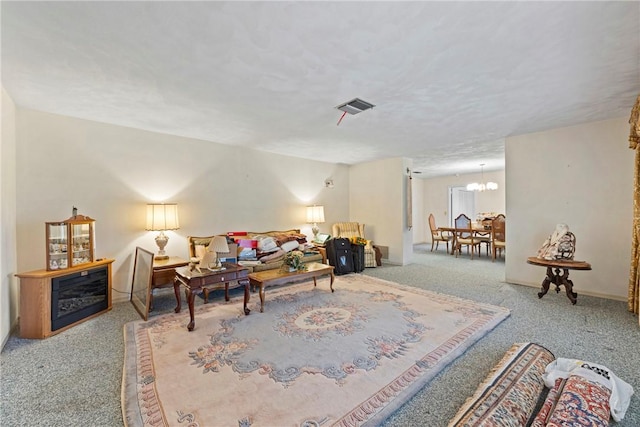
498,236
482,235
438,235
465,236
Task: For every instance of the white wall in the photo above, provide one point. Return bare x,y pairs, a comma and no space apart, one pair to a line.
8,268
581,176
377,199
420,230
110,172
436,198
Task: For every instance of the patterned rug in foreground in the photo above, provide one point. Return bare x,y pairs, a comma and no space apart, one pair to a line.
313,358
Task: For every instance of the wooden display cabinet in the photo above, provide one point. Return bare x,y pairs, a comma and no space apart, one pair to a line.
70,243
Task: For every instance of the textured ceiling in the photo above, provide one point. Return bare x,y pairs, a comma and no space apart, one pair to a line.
450,80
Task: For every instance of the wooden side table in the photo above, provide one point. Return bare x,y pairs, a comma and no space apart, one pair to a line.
323,251
378,253
195,281
164,273
555,277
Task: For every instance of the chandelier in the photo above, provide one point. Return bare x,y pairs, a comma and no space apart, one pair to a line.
481,186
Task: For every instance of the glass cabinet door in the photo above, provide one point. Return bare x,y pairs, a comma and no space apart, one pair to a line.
82,243
70,243
57,241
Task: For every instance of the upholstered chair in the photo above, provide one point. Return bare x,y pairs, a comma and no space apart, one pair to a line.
498,236
438,235
355,229
198,245
465,236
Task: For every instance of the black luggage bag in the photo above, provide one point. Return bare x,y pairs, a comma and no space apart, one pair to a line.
340,256
358,258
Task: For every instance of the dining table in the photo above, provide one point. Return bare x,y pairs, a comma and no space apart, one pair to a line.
479,228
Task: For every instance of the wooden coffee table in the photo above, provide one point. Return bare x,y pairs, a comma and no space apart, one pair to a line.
262,279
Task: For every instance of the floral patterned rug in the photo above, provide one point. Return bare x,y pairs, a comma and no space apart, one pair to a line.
313,357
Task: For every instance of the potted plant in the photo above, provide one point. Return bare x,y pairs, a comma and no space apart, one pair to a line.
293,261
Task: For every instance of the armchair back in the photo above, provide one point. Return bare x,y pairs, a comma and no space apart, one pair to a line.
197,245
348,229
356,229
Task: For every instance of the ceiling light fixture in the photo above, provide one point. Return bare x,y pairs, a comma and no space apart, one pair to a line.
355,106
481,186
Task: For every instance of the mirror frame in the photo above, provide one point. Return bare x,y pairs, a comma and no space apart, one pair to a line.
142,281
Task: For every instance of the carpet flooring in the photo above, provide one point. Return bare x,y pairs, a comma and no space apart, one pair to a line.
314,357
74,378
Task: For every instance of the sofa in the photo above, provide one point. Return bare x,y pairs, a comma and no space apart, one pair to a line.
275,243
530,387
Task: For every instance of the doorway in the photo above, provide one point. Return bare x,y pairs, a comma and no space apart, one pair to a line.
463,201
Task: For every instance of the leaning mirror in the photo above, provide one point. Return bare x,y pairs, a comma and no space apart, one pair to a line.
141,284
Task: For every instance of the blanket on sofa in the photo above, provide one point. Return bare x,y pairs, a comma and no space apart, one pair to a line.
269,248
260,250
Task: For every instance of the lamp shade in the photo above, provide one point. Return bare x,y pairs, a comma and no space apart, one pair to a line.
315,214
218,244
162,217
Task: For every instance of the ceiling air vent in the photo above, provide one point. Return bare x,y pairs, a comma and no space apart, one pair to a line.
355,106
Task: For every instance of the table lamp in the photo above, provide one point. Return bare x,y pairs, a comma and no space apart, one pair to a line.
315,215
210,258
161,217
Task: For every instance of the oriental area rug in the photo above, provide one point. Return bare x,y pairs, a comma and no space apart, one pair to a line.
313,358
